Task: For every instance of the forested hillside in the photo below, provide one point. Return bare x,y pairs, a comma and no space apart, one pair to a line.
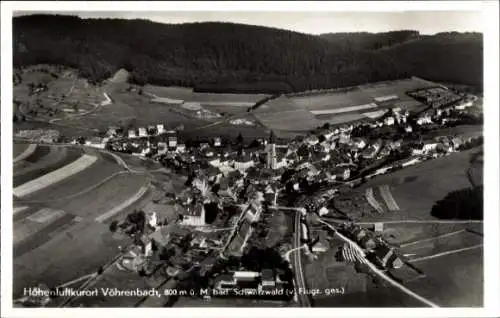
371,41
234,57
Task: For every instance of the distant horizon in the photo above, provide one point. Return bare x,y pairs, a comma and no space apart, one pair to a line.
313,23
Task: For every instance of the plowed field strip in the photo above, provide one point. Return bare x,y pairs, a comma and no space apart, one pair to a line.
26,153
55,176
388,198
103,217
56,158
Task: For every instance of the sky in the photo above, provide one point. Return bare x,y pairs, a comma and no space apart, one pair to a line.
427,22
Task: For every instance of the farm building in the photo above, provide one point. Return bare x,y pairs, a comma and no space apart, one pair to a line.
245,276
160,129
143,132
323,211
378,227
267,278
243,161
369,152
253,213
305,232
195,215
181,148
132,133
389,121
95,142
319,247
112,131
270,194
217,142
425,119
172,141
224,281
387,258
346,174
359,142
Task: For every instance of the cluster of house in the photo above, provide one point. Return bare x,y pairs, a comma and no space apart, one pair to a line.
145,141
436,96
443,115
384,256
248,283
39,135
329,155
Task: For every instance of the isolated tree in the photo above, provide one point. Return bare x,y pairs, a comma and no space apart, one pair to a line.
113,226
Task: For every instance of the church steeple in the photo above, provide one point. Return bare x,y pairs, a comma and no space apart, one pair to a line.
271,151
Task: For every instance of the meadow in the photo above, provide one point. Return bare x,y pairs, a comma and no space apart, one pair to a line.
416,188
188,95
44,160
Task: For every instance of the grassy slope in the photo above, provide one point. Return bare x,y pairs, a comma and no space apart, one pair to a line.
40,165
18,149
434,180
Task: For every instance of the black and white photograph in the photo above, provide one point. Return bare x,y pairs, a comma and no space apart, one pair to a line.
240,158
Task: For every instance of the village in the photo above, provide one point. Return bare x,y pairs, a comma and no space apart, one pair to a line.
233,185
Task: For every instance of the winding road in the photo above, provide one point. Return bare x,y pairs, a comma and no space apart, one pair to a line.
300,282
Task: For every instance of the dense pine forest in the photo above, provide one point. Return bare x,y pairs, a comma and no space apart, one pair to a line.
226,57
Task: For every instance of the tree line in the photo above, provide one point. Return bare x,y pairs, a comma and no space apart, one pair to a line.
239,58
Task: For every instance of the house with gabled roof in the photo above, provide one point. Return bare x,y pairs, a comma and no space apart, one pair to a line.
243,161
142,132
195,215
132,133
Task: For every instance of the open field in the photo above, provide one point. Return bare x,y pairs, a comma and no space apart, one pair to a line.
293,113
54,176
122,206
436,247
406,235
337,101
225,130
340,119
288,114
362,95
59,240
103,198
17,149
78,250
187,94
464,131
326,272
291,120
44,160
78,183
415,189
454,280
444,243
56,235
226,109
22,151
